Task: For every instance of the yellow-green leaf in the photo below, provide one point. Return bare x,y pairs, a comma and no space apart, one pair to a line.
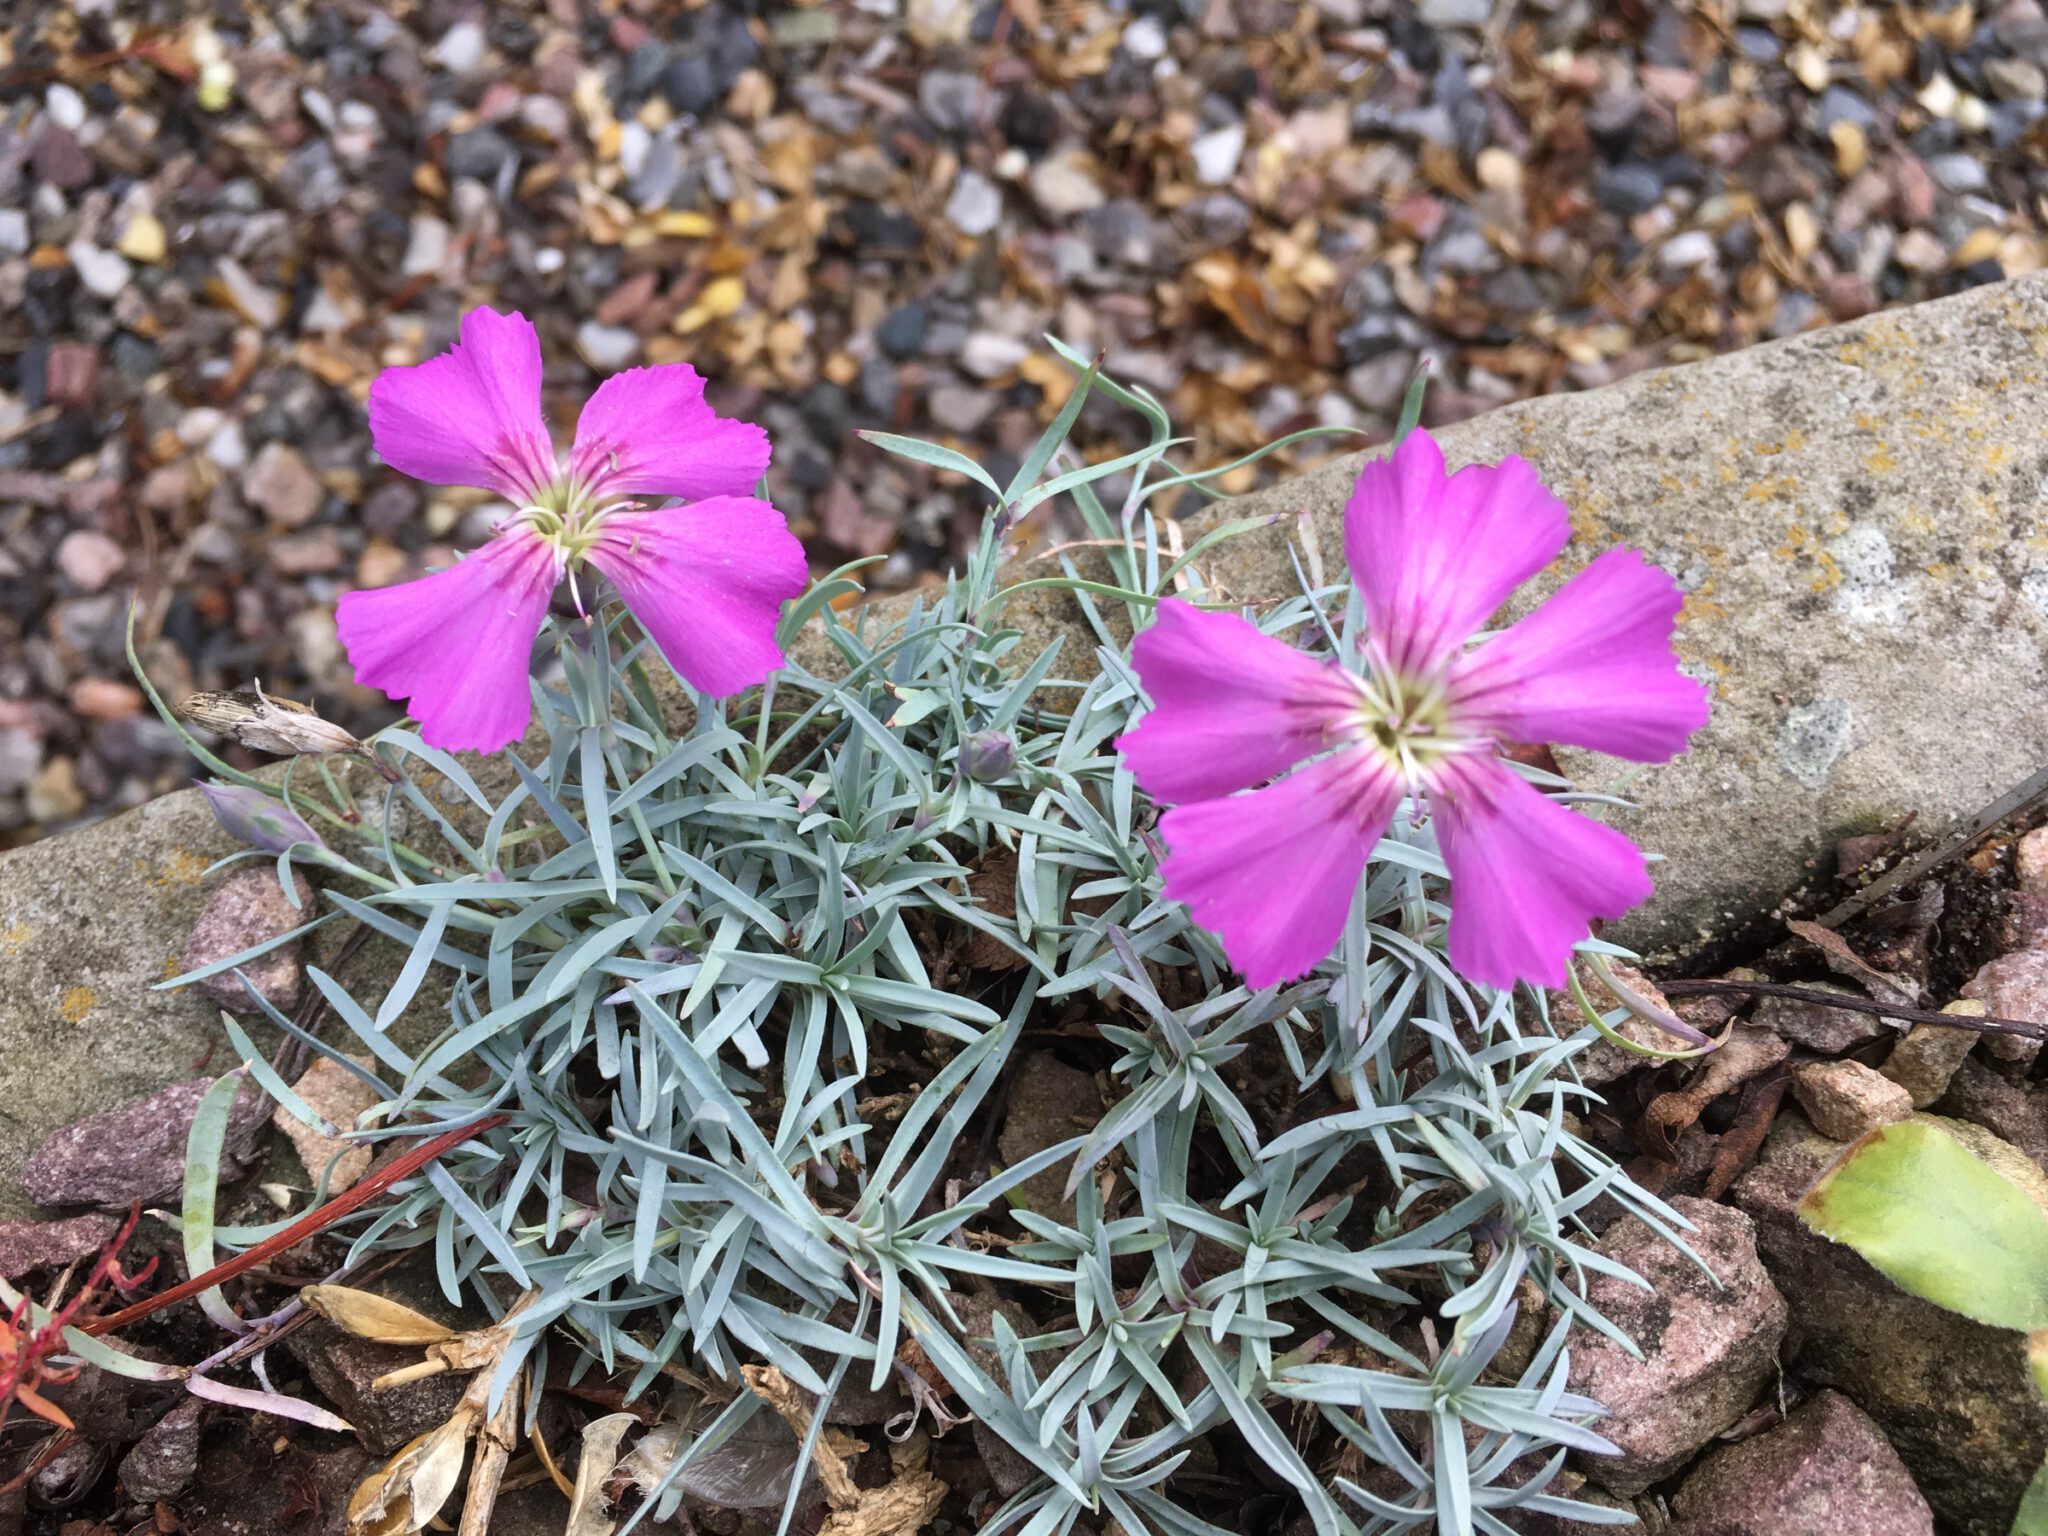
1940,1222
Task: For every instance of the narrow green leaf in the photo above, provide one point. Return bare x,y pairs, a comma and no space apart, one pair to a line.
1411,403
203,1146
597,809
1088,473
920,452
1050,440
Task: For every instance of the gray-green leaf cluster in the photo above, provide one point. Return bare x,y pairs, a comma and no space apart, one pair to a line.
749,991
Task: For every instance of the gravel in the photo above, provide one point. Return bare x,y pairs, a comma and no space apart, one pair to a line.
870,215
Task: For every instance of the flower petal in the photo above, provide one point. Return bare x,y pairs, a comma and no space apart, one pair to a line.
455,645
648,432
1592,668
1528,873
1231,705
1272,873
472,415
707,581
1434,554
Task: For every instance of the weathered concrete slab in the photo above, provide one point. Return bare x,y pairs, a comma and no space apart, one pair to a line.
1857,515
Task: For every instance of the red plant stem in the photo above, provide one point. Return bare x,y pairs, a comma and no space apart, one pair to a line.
402,1167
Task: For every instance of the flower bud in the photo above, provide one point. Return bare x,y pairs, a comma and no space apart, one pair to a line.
260,820
988,756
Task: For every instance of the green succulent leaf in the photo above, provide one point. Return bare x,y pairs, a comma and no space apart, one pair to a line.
2032,1520
1940,1222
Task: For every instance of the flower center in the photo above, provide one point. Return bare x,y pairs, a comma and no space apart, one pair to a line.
1410,720
569,513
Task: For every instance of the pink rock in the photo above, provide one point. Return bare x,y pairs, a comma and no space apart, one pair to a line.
2013,986
27,1245
88,559
248,909
2030,875
1826,1470
1913,188
1708,1349
135,1152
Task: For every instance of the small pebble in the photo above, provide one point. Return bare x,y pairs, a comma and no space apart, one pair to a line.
975,204
1063,187
988,355
1145,38
144,240
282,486
1217,153
461,47
104,273
1845,1099
89,560
65,106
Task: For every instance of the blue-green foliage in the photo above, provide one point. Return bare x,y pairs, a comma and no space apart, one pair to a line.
682,964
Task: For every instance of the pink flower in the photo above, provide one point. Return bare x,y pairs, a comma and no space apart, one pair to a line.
1273,871
707,580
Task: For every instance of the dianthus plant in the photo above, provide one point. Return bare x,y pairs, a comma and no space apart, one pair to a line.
753,982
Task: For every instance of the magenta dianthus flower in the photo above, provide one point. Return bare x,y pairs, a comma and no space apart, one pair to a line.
1273,871
707,580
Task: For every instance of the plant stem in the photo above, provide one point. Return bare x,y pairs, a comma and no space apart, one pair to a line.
316,1220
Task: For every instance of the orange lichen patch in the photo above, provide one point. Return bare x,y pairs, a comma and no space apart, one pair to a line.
75,1004
177,867
1800,544
1792,442
1940,570
1773,487
1997,456
1698,608
1879,460
1588,511
17,938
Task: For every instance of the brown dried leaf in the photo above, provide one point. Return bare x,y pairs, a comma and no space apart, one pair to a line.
1744,1054
589,1509
994,889
369,1316
414,1484
901,1509
1844,961
792,1404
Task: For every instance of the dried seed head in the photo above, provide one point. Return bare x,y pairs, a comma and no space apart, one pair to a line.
283,726
370,1316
